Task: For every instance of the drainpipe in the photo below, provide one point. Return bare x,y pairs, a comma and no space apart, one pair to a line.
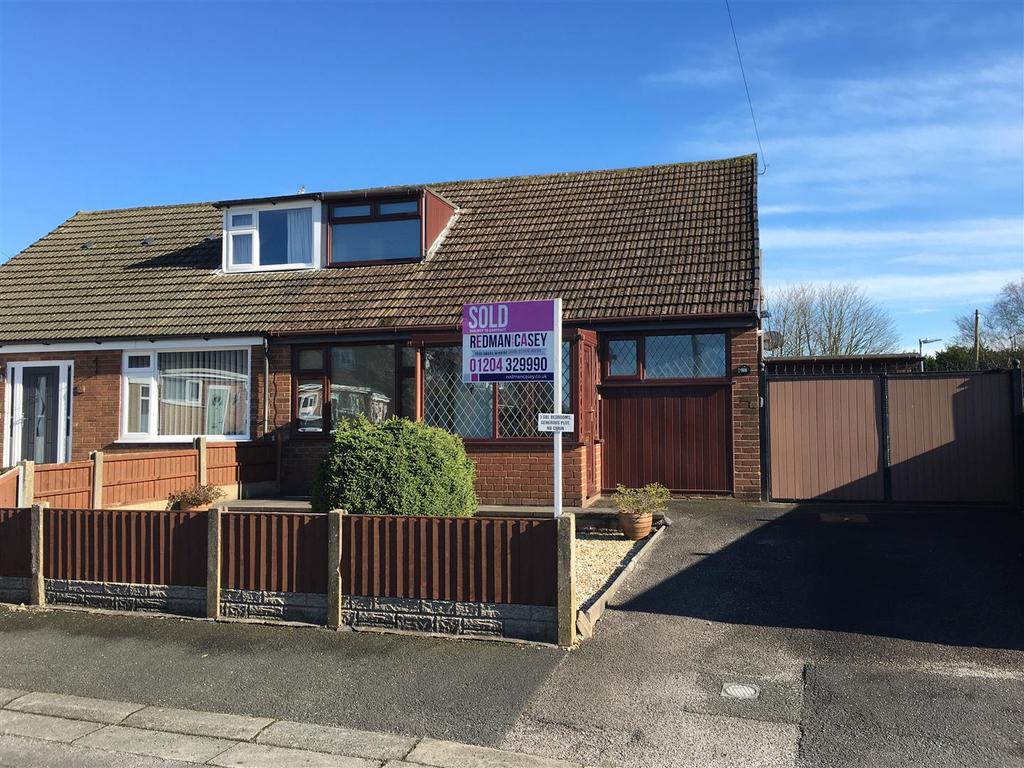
266,385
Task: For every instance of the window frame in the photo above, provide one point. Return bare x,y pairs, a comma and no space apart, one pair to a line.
253,229
641,352
323,373
496,436
151,378
374,216
416,373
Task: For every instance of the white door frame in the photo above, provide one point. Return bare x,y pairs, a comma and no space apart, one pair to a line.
14,404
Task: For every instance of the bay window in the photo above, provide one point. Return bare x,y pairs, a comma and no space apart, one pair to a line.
345,381
380,381
182,394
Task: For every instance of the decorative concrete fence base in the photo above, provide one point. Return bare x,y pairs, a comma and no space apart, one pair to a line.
533,623
14,589
282,606
160,598
522,622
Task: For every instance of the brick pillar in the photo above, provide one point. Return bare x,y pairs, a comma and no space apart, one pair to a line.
746,415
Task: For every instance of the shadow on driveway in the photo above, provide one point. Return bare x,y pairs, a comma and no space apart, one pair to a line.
948,577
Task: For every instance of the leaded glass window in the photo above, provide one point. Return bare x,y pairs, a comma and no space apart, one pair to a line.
685,356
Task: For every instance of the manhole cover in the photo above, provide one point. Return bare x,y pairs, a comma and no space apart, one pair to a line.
746,691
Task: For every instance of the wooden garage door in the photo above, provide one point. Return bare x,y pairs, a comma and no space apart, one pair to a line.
676,436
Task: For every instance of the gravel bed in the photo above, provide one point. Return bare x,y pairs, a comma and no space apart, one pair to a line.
600,555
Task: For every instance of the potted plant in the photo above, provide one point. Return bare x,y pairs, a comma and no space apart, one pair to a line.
197,498
637,507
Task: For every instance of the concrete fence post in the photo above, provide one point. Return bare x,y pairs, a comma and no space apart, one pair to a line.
213,531
26,483
566,611
334,555
97,479
201,473
37,585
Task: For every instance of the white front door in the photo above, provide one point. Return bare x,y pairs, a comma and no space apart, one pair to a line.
38,426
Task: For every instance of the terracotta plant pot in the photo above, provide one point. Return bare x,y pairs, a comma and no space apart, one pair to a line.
635,526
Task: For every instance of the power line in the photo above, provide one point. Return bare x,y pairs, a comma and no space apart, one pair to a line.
746,88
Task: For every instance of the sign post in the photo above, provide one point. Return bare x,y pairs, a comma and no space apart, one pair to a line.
519,341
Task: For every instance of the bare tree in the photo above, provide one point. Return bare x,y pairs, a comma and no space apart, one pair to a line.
829,319
1002,324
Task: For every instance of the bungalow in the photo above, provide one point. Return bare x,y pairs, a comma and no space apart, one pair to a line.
273,318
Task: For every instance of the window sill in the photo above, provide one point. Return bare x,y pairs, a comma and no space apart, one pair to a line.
181,439
374,263
274,268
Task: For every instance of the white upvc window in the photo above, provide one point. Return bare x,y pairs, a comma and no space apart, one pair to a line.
272,236
178,394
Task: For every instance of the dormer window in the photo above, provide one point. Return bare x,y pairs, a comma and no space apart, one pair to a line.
272,237
375,231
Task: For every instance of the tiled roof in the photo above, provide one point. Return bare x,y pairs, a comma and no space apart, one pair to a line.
662,241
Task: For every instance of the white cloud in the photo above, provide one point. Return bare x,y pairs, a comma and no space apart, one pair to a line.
971,285
699,75
974,234
788,209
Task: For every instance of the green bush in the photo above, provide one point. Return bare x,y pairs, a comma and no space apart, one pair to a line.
398,467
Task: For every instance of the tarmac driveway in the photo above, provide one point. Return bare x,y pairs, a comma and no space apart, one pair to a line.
875,638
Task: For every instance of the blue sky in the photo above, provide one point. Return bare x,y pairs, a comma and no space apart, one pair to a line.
893,132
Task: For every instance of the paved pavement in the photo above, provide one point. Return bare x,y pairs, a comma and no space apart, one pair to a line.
48,729
874,638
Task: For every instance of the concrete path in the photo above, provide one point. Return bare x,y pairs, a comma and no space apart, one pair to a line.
49,729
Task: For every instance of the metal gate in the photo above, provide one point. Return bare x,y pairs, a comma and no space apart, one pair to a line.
936,438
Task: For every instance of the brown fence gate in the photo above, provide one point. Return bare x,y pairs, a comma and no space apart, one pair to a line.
935,438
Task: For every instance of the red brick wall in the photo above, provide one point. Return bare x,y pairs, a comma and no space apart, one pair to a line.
510,474
96,396
746,416
505,474
96,400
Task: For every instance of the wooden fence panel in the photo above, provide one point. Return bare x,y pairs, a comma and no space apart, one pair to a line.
241,463
9,487
126,546
16,542
274,551
130,478
492,560
64,485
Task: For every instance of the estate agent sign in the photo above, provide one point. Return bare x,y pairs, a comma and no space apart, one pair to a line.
519,341
509,341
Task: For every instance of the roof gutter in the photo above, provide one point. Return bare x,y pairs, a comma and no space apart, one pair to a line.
269,200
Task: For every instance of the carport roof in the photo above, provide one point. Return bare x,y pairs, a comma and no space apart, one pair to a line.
667,241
